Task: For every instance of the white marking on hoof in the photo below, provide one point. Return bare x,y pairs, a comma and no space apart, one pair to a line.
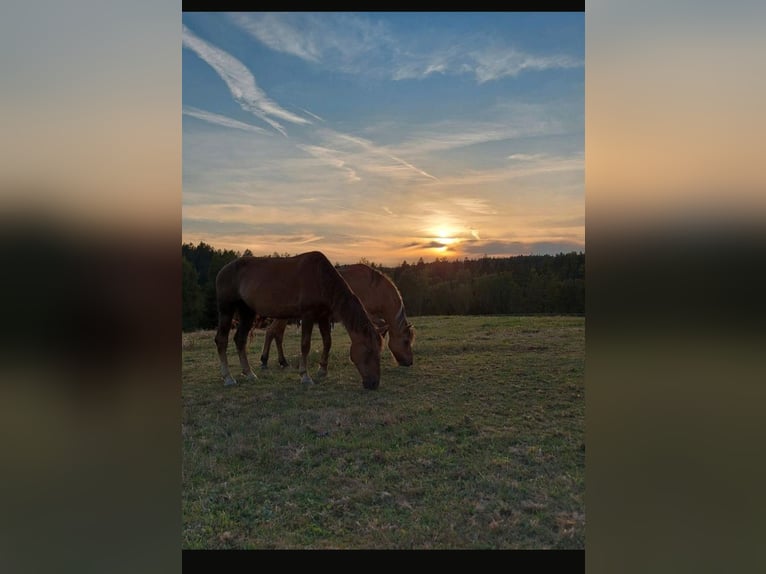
250,376
306,380
229,381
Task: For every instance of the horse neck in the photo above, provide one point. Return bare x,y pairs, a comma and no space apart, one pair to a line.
383,299
398,323
394,313
350,312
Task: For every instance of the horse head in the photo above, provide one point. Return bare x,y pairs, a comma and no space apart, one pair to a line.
365,354
401,338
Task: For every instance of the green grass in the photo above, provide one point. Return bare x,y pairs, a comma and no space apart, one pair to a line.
480,444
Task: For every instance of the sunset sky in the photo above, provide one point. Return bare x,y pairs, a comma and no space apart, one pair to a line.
384,136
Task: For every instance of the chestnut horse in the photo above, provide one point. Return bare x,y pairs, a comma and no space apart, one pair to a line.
305,287
384,304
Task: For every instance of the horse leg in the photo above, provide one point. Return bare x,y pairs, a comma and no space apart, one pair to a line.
246,316
278,337
222,342
306,328
275,332
266,346
324,329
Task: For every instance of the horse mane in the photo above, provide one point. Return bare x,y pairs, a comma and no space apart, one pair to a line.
376,278
403,325
346,305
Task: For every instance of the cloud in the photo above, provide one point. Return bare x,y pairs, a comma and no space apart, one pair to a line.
275,32
312,115
362,44
474,205
496,63
241,83
366,155
331,157
371,147
508,123
485,63
220,120
336,41
526,156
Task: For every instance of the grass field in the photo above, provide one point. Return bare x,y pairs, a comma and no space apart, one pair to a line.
480,444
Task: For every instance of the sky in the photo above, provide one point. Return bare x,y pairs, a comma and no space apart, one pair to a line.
384,137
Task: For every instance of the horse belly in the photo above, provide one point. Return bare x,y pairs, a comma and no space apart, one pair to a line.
280,300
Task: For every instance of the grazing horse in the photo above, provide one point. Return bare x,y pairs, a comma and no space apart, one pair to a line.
384,304
305,287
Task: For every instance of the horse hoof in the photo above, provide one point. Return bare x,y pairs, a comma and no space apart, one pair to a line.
250,376
306,380
264,367
229,381
321,373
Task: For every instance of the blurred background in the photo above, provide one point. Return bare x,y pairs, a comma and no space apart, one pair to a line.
90,181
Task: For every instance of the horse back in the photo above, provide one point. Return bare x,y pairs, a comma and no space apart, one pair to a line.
374,289
280,287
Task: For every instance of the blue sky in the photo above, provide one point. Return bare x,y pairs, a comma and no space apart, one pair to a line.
384,136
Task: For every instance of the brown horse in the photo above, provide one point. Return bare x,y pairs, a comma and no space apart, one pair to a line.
307,287
384,304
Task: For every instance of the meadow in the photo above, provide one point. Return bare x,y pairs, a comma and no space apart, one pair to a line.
479,445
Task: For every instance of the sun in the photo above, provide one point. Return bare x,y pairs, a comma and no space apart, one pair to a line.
445,235
442,234
446,240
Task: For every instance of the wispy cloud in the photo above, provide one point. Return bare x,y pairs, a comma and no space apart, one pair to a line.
278,34
525,121
241,83
331,157
220,120
474,205
361,158
339,41
362,44
378,151
484,62
312,115
496,63
526,156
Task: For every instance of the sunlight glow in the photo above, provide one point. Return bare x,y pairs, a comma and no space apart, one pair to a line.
445,234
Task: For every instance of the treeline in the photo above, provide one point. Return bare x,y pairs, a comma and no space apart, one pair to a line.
525,284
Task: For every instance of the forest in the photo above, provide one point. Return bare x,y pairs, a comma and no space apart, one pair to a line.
519,285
